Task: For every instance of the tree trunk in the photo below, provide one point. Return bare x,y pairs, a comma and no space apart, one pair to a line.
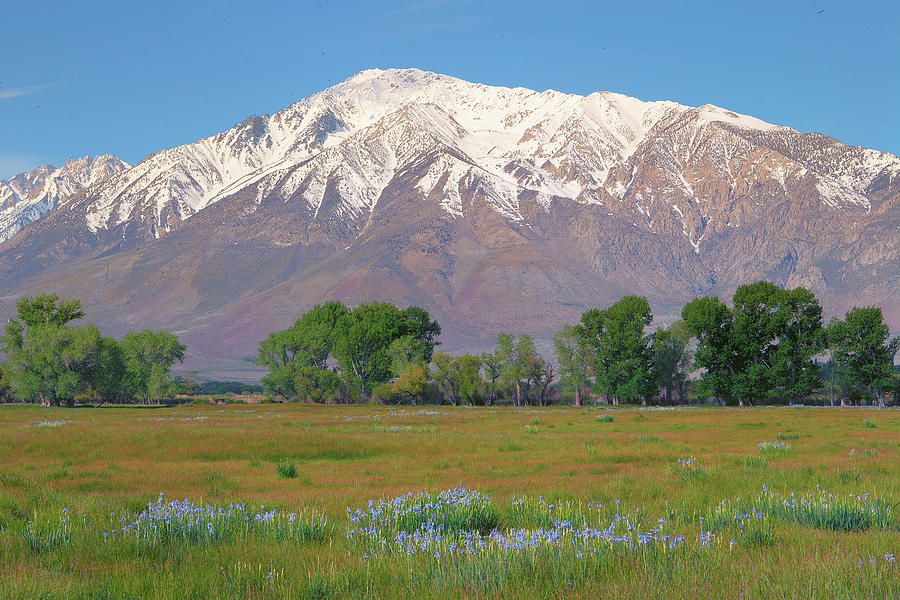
668,394
577,395
518,393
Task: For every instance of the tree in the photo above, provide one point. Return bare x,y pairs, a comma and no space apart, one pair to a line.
457,377
53,362
572,358
671,358
418,325
761,312
493,369
5,389
148,356
801,338
538,372
316,332
511,369
34,311
528,364
622,362
309,342
106,377
710,321
363,338
405,351
316,385
410,383
860,343
467,372
47,359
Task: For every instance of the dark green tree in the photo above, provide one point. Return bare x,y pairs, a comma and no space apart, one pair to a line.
672,358
418,325
622,362
53,363
47,359
106,378
316,385
712,324
148,356
363,338
801,338
861,342
759,318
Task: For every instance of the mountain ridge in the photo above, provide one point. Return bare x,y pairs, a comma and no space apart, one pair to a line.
490,206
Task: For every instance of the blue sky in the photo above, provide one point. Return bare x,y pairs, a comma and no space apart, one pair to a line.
81,78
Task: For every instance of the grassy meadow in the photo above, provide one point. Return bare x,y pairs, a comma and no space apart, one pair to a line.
273,501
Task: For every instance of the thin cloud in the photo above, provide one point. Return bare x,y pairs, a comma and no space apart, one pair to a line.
24,91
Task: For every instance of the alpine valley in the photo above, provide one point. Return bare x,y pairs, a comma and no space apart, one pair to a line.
496,209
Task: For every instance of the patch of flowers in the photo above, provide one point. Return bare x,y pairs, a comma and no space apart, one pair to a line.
823,510
457,509
819,509
51,423
164,521
454,523
773,446
404,428
687,462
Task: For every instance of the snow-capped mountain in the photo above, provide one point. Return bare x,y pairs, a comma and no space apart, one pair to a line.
25,197
495,208
362,132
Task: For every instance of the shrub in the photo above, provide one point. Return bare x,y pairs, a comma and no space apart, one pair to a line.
287,470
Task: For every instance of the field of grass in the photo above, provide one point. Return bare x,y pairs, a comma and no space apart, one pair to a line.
285,501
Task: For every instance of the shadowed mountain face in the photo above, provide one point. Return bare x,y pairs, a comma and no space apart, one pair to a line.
493,208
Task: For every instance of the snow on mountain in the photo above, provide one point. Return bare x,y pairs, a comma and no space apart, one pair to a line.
25,197
359,134
496,208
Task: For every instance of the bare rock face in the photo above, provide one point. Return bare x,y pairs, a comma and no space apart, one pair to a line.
494,208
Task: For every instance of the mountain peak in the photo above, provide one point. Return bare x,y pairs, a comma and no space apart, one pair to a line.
483,203
26,197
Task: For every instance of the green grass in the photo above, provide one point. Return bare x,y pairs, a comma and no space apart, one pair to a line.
566,478
287,470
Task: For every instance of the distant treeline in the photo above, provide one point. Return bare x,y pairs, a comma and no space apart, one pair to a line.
765,348
55,363
218,388
768,347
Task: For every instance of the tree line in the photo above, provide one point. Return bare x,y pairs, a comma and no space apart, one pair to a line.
765,348
768,347
55,363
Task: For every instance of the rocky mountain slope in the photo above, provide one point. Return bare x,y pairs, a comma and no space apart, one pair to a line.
25,197
494,208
